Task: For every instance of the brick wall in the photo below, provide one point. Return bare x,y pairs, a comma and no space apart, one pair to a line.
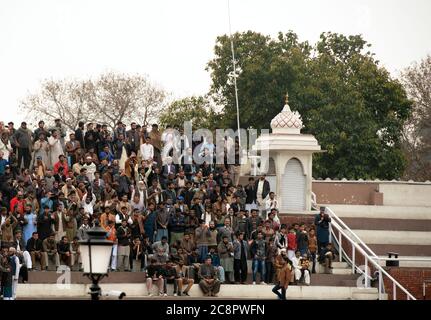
411,279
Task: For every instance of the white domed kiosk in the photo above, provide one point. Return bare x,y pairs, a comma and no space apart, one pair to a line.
292,153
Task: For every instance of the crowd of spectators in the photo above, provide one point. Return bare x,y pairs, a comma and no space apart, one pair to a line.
179,220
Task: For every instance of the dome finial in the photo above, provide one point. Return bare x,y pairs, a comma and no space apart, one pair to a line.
286,100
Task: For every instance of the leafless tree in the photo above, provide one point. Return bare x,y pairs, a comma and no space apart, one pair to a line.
417,131
110,98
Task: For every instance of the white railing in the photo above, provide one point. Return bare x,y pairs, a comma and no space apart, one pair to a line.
339,231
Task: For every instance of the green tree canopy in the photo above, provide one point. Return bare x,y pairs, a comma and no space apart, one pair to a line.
198,110
346,99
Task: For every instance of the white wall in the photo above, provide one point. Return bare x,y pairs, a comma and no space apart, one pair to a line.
406,194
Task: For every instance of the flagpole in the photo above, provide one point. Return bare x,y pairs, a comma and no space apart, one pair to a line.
234,74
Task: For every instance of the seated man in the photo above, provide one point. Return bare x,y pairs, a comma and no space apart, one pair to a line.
161,257
170,275
326,257
183,277
76,254
50,251
64,252
35,248
296,268
154,275
304,269
209,283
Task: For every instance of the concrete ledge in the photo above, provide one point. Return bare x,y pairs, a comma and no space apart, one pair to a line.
35,291
394,237
381,212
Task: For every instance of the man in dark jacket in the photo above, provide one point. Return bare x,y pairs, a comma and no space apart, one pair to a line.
40,130
262,190
79,134
134,138
322,221
22,140
250,191
35,248
240,255
209,283
123,236
64,251
176,226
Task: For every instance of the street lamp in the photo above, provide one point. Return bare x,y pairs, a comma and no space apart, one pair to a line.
95,255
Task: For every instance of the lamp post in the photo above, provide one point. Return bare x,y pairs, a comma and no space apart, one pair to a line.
95,255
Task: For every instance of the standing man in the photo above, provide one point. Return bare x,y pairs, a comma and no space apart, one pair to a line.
240,250
61,131
12,131
262,190
133,137
258,252
40,130
250,191
22,140
73,148
322,221
79,134
15,268
271,204
156,141
123,236
147,150
284,269
225,251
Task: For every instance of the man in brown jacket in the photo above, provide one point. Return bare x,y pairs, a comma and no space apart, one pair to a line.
284,269
7,229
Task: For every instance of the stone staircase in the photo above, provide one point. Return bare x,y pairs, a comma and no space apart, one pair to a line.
405,230
341,284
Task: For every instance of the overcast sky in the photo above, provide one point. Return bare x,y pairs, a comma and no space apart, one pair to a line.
172,40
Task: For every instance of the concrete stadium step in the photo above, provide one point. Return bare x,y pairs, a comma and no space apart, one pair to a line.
381,212
340,271
51,277
134,290
394,237
387,224
340,265
403,250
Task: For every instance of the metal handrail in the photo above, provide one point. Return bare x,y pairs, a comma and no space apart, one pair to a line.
359,240
368,258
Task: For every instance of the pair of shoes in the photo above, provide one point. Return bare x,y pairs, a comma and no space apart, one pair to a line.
165,294
254,282
186,293
263,282
176,294
150,294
